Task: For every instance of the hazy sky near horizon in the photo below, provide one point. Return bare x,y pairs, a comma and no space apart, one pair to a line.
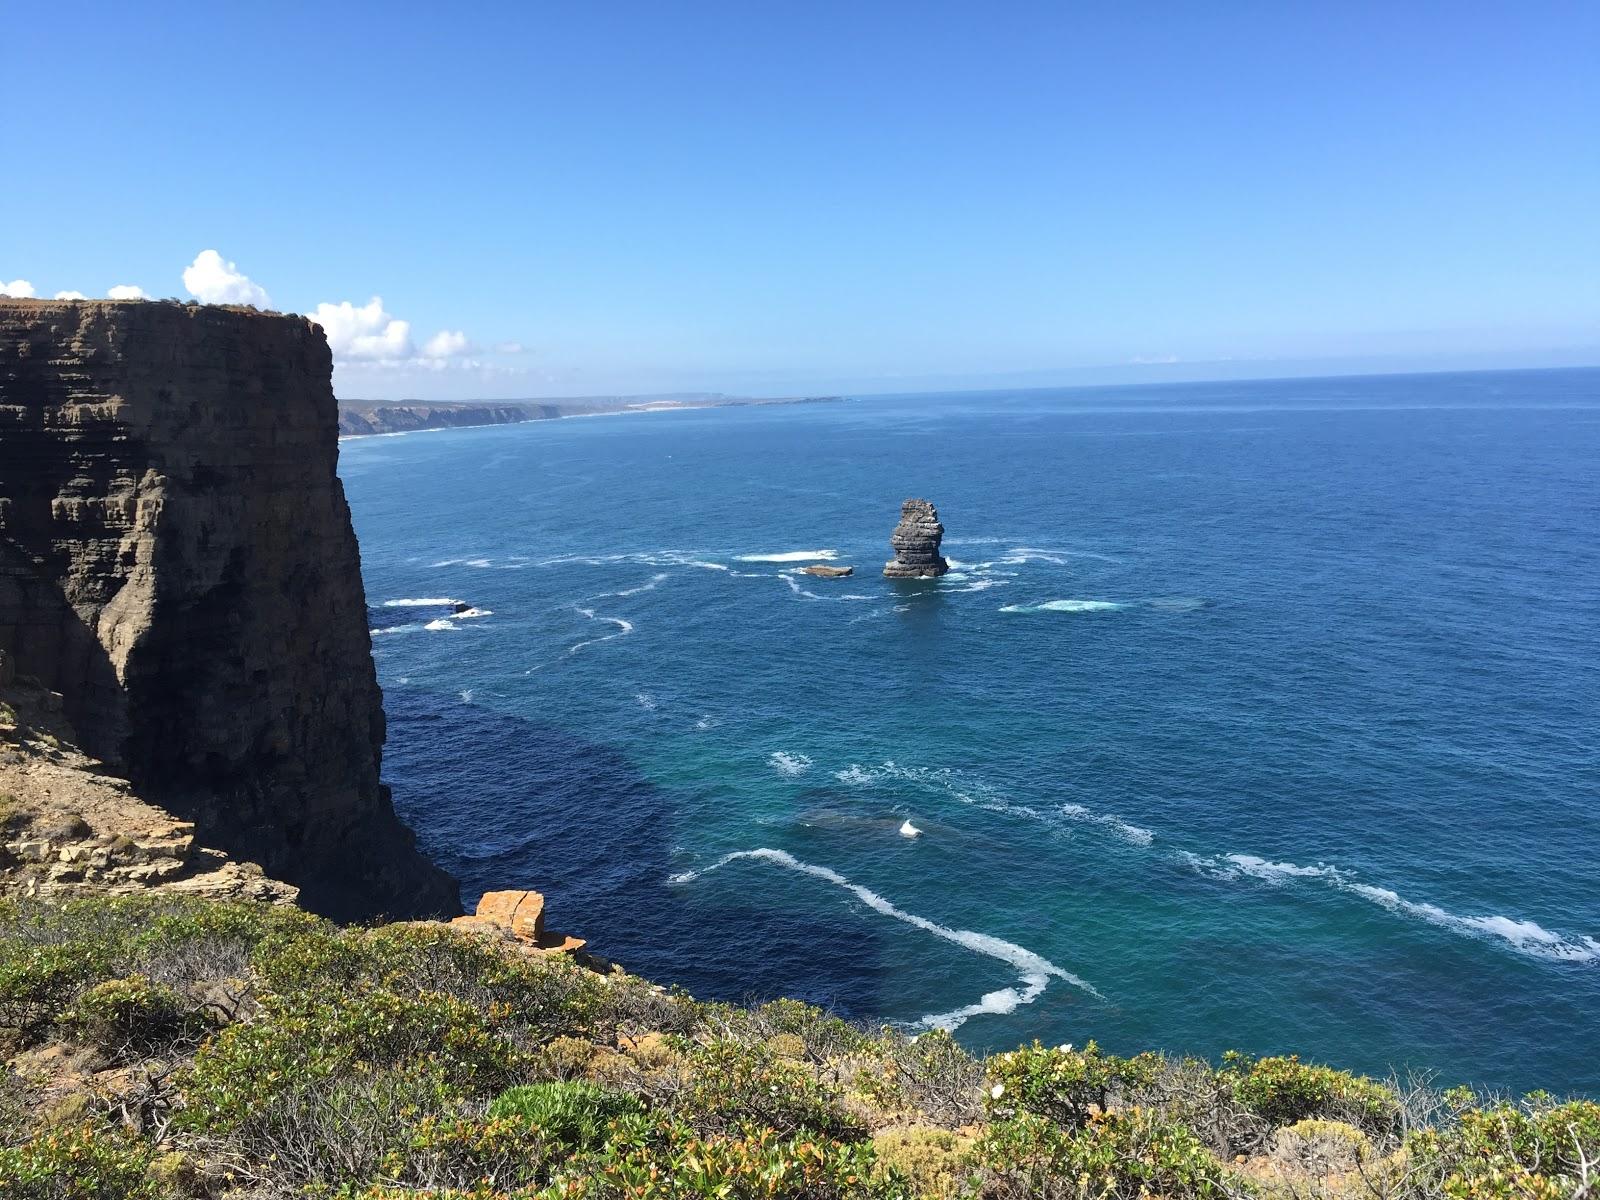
577,199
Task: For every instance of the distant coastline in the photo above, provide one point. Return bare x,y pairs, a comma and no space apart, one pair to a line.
361,418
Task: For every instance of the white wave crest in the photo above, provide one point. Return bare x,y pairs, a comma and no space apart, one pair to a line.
908,830
392,629
1135,834
1034,971
646,701
623,629
1524,937
789,556
424,602
1075,606
441,623
1527,937
473,612
648,585
789,764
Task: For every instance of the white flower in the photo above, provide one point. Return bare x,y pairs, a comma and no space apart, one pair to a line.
997,1091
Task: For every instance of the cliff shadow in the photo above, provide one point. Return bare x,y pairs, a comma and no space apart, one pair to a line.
45,638
502,801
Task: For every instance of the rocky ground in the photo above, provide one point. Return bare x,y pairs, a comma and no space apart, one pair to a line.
68,825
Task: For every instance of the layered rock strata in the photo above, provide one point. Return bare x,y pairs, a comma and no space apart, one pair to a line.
177,564
916,543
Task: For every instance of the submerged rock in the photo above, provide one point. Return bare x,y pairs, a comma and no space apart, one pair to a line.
916,543
823,571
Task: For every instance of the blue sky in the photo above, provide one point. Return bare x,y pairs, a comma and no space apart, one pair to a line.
782,197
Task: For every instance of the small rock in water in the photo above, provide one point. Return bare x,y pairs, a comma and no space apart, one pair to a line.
824,571
916,543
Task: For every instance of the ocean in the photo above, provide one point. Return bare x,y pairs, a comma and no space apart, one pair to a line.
1253,715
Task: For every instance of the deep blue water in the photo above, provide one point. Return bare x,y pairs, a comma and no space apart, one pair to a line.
1256,715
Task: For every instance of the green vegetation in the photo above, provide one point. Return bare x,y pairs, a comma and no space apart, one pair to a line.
165,1049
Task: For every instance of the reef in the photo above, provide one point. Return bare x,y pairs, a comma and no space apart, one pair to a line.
916,543
178,569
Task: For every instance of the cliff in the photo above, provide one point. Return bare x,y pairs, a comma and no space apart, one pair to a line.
177,563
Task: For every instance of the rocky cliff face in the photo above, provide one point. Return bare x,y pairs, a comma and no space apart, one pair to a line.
916,543
177,561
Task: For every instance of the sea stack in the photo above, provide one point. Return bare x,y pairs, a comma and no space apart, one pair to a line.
178,570
916,543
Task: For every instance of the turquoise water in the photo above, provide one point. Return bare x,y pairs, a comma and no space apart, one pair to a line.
1256,715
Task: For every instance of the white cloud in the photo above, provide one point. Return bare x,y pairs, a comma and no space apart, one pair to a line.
510,348
71,296
17,289
211,279
363,333
127,291
446,344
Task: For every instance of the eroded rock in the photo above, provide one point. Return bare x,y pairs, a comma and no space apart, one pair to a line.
916,543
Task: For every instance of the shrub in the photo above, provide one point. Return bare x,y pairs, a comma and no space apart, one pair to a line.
132,1017
932,1074
1065,1085
1284,1090
1322,1148
301,1040
574,1114
934,1162
19,1105
548,996
1538,1150
729,1085
82,1163
39,981
1112,1156
311,1131
668,1161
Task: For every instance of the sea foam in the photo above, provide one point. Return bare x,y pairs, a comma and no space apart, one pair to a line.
1128,832
1524,937
1034,971
1073,606
789,556
789,764
423,602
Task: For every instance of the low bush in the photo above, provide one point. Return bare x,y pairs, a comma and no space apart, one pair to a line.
935,1163
39,981
730,1085
573,1114
1507,1152
302,1041
1065,1085
132,1017
1111,1156
1284,1090
82,1163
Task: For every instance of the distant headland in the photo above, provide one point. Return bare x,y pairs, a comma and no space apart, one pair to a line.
365,418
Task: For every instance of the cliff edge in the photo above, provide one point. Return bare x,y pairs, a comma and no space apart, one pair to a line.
177,562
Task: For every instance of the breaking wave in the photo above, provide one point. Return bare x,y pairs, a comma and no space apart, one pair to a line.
1077,606
1034,972
424,602
1524,937
1136,834
789,556
789,764
623,629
